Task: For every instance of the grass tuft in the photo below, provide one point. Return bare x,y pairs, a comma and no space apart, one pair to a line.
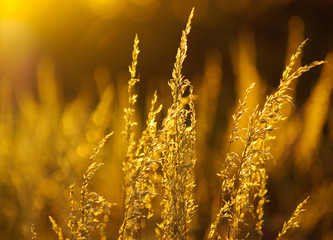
244,176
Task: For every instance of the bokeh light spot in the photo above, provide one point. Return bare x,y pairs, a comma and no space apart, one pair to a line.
105,8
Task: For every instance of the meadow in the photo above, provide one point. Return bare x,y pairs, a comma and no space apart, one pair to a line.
146,167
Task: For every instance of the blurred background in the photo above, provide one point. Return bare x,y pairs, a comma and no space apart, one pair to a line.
63,75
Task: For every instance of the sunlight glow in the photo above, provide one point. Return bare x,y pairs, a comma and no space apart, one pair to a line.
105,8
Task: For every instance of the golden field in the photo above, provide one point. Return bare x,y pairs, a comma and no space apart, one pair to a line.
115,159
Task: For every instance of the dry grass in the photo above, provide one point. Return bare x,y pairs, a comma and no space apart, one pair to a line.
243,190
90,213
159,186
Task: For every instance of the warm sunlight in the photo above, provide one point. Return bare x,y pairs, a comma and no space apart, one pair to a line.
105,8
166,119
